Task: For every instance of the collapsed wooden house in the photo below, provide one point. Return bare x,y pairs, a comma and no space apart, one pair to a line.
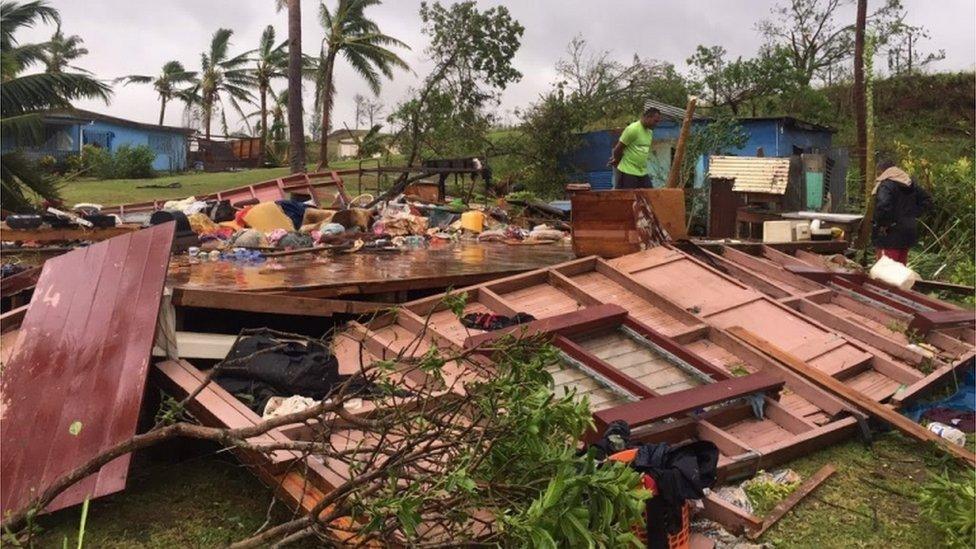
649,338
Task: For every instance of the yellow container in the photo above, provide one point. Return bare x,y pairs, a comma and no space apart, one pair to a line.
473,221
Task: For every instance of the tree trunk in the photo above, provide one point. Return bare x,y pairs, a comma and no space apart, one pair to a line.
326,110
860,113
207,115
264,124
162,110
296,124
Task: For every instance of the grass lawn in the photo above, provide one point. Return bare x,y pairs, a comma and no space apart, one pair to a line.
121,191
209,500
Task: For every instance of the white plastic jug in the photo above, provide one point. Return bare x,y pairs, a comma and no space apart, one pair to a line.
951,434
889,271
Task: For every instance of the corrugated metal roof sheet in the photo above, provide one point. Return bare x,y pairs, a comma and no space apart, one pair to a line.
669,111
752,174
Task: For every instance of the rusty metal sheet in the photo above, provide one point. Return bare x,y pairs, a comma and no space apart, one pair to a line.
75,383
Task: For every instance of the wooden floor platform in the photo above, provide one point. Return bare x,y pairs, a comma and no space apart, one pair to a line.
441,265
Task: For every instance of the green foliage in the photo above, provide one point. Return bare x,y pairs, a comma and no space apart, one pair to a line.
738,82
472,51
127,162
22,183
764,495
951,506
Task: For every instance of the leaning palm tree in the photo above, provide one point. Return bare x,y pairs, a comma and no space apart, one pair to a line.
23,98
348,31
222,76
166,83
271,62
62,50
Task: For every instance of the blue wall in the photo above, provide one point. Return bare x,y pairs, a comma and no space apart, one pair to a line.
776,136
170,147
61,140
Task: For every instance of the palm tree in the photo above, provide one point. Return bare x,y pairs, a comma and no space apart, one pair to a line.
348,31
277,129
270,62
166,83
296,66
23,97
222,75
61,50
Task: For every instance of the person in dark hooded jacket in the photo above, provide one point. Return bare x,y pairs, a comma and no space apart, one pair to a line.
899,201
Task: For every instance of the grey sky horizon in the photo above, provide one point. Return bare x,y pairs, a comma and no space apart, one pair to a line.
139,36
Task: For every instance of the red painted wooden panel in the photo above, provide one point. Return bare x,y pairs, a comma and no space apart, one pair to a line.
82,362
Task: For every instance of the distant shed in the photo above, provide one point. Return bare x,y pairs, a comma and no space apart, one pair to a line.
770,136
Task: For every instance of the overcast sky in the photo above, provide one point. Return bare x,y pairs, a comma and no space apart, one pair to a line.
138,36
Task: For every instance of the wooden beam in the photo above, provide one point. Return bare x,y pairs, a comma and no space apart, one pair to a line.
272,303
674,175
734,519
925,322
566,324
932,381
790,502
770,270
876,409
12,318
669,405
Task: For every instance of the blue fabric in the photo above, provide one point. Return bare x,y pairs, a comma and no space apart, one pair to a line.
964,400
294,209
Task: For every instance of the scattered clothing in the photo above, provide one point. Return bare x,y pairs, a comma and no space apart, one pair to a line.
268,216
490,321
249,238
963,400
295,241
295,211
281,406
305,369
201,224
960,419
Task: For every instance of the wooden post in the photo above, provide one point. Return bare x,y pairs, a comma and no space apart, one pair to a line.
837,387
674,177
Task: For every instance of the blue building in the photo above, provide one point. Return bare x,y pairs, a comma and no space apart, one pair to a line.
66,132
769,136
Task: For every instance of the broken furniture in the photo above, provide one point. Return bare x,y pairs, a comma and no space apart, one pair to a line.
604,222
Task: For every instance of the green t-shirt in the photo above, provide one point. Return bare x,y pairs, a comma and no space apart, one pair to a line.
637,139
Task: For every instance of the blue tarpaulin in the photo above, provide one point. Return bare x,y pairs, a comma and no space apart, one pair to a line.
964,400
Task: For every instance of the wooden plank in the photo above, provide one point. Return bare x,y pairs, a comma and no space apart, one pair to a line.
604,223
876,409
567,324
12,318
652,409
790,501
730,516
272,303
86,338
926,321
20,281
53,235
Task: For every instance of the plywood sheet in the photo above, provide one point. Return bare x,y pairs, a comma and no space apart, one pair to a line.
541,301
77,378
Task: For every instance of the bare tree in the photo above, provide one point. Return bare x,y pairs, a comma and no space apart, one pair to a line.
816,40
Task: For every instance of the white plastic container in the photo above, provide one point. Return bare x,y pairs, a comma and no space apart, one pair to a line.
949,433
891,272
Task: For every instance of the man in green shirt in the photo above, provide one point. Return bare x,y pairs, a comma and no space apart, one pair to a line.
632,151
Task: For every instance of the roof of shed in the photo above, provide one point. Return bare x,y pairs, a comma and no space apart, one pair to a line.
669,111
752,174
89,116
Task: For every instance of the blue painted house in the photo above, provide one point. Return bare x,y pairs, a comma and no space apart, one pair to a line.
774,136
67,131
